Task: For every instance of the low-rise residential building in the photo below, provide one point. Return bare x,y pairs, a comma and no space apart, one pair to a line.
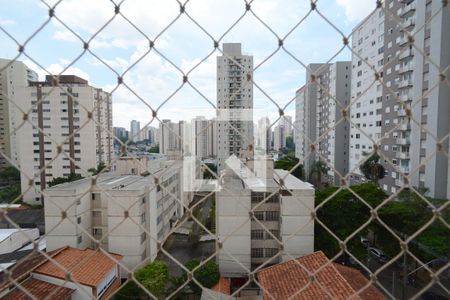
259,209
125,214
93,275
292,280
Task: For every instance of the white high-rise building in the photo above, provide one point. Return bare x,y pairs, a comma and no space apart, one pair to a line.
319,108
212,137
264,135
62,139
279,136
416,91
135,131
14,76
366,95
170,136
235,93
201,136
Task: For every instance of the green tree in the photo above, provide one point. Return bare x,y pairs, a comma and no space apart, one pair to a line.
288,163
129,291
10,174
343,214
372,169
59,180
207,174
318,169
10,193
97,170
154,277
207,275
154,149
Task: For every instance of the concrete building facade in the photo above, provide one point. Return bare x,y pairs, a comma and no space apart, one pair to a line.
14,75
62,140
235,93
366,93
319,109
412,78
126,214
278,204
135,131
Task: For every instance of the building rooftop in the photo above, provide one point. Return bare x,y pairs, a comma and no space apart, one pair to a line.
88,267
39,290
290,181
292,278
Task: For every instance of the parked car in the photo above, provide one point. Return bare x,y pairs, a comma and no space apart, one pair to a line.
378,255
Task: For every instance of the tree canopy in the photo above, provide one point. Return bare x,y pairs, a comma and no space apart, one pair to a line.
288,163
154,277
372,169
70,178
207,275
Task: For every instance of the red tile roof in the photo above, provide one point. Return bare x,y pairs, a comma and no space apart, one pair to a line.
23,268
358,282
223,286
88,267
284,280
39,290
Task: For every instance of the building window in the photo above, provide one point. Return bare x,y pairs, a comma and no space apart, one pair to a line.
275,233
79,239
272,215
270,252
79,220
259,215
143,237
97,232
257,252
257,234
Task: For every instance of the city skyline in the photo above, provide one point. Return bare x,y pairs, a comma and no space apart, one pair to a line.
154,79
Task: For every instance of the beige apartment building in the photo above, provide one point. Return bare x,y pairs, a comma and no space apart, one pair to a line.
13,76
69,131
124,214
245,217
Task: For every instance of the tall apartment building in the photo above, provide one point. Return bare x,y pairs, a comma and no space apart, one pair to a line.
170,136
62,139
279,136
264,135
366,96
212,137
135,131
285,214
235,93
120,133
115,211
201,131
319,107
412,78
13,75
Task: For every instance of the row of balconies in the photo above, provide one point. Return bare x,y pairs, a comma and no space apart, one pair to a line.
406,9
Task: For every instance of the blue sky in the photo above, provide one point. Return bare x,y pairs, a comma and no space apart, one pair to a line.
154,78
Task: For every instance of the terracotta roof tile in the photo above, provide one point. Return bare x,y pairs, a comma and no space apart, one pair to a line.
88,267
39,290
223,286
23,268
287,279
357,280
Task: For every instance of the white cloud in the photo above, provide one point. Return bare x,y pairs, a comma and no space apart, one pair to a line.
356,10
6,22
